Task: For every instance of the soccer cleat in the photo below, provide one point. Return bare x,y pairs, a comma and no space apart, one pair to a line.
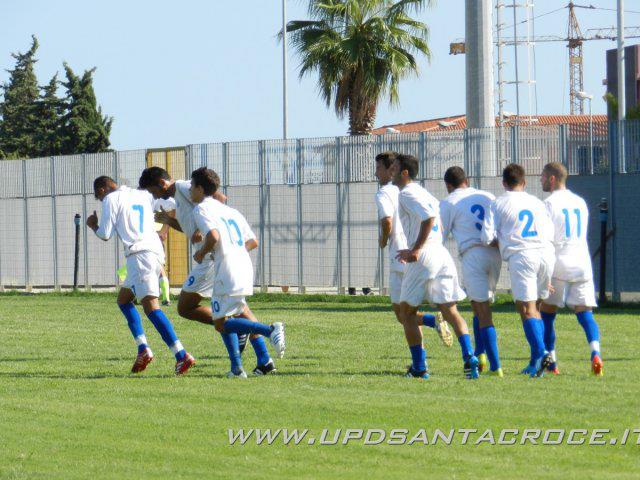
242,341
442,327
266,369
496,373
183,366
482,362
543,364
529,370
277,338
411,373
553,369
597,366
471,368
143,359
166,303
237,374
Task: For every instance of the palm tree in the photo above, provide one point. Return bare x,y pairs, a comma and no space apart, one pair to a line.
361,50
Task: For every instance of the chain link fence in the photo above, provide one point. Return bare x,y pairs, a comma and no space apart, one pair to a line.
310,201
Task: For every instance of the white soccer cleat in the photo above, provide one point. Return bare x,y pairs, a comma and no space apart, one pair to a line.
277,338
239,374
442,327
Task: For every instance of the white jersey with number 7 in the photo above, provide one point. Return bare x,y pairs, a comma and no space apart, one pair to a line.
520,222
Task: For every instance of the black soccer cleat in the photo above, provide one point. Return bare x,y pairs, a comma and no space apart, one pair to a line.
266,369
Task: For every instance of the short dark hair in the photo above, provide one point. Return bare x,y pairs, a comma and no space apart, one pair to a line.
387,158
151,177
513,175
455,176
102,182
408,163
207,179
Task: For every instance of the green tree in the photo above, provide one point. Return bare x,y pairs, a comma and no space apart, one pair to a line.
85,129
18,109
361,50
50,110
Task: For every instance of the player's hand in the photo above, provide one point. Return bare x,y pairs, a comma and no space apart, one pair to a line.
92,221
199,256
196,237
163,235
163,217
407,256
551,289
382,242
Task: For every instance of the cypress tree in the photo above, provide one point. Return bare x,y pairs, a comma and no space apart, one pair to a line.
49,121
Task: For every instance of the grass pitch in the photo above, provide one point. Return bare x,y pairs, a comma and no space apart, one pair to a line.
69,409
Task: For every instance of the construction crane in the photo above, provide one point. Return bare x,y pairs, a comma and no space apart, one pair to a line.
574,41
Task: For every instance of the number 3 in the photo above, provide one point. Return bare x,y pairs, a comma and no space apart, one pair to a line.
478,210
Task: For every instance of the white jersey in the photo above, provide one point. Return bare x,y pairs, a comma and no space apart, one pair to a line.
233,268
387,203
129,212
570,217
416,205
520,223
167,205
462,214
184,210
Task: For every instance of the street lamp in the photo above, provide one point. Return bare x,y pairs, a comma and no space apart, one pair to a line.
586,96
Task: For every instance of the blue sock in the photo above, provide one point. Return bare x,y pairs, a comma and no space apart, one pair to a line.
233,349
260,348
480,348
490,340
465,344
135,325
590,328
534,331
244,325
165,329
429,320
419,358
548,319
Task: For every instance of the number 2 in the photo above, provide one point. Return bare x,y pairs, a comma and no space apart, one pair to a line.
526,231
140,209
478,210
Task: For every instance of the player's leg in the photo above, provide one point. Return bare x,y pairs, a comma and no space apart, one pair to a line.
548,312
264,362
452,316
165,291
128,309
475,284
582,297
412,325
489,336
190,307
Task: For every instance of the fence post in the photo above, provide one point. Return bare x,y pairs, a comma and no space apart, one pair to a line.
339,214
564,153
116,178
299,171
27,279
261,208
514,144
346,199
85,246
467,152
54,226
225,167
422,153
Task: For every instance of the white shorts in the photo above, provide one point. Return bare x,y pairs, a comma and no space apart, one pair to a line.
395,285
143,270
227,306
200,279
481,272
433,278
531,274
572,294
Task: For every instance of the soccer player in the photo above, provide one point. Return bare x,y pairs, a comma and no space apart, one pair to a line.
430,272
520,223
462,213
232,279
129,213
572,279
391,234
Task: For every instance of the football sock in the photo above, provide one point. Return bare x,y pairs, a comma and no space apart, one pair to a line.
164,289
165,329
429,320
590,328
534,331
490,340
419,358
231,343
244,325
260,348
465,344
135,325
548,319
480,348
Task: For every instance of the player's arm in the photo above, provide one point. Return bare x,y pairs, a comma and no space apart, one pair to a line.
386,211
104,229
250,240
212,237
163,233
251,244
168,218
385,231
488,236
445,219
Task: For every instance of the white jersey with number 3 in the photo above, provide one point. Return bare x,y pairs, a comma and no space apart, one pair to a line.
129,212
233,267
570,217
520,222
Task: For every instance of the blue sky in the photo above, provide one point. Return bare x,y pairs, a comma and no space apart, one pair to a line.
174,73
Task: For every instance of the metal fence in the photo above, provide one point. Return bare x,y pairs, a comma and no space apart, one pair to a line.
309,200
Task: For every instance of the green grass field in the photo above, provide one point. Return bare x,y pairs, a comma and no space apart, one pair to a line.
69,409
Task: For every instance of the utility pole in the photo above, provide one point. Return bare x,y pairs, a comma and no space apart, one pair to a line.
284,69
